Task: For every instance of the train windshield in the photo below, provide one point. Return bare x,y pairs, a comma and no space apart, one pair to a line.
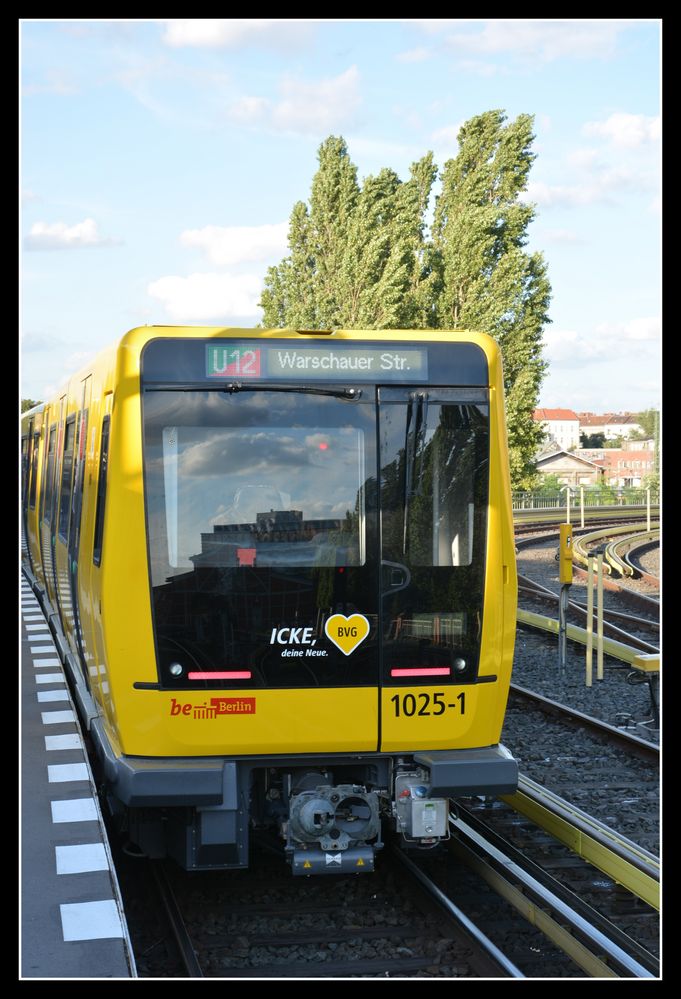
263,495
271,512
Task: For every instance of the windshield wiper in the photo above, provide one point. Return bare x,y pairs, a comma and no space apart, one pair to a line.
339,393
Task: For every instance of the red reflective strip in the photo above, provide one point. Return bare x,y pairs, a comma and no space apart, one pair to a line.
229,675
422,671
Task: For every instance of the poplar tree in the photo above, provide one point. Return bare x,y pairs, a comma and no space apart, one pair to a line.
488,281
361,257
356,254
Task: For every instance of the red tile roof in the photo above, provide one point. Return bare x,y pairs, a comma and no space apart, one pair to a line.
555,414
593,420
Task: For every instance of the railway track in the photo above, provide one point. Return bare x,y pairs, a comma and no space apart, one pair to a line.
630,641
393,923
417,915
620,737
582,910
533,592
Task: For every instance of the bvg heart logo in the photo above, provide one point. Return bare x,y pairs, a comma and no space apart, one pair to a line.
347,633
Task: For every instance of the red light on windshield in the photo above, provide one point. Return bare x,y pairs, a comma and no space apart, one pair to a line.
323,446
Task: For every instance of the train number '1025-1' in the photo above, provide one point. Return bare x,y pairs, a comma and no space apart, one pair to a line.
427,704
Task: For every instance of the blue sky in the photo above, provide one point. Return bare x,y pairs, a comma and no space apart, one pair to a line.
160,161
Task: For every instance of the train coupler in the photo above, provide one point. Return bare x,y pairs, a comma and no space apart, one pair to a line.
354,860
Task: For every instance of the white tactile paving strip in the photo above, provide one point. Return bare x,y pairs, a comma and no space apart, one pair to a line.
72,801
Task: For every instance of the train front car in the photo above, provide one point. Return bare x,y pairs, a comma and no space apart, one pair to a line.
332,593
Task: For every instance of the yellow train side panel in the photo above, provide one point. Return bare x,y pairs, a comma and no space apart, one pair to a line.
445,717
223,722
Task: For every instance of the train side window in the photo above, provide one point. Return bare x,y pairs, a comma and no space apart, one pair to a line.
101,493
49,475
24,463
34,471
66,478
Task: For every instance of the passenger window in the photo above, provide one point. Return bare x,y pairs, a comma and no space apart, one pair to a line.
48,488
101,492
66,478
34,471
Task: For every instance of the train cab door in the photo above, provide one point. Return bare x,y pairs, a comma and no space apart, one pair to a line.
263,541
434,472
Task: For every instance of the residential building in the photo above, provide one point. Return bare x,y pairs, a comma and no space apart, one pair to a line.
611,425
561,426
622,466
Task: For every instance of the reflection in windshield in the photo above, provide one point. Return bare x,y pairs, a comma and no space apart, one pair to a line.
263,496
435,485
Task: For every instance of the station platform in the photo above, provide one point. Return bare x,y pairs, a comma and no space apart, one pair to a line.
72,923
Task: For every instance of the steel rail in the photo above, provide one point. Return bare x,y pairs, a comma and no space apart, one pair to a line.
580,551
618,559
471,930
628,595
649,751
613,854
524,540
477,819
612,629
611,647
529,586
633,557
501,872
177,925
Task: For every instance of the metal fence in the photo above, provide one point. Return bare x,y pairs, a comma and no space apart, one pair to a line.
555,500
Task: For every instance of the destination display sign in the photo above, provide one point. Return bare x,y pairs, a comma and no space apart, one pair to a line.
246,360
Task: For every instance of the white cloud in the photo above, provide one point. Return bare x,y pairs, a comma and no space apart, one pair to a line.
234,33
413,55
57,83
646,328
228,245
478,67
543,40
635,339
382,151
628,130
203,297
316,107
249,110
39,342
583,159
561,236
603,185
60,236
445,142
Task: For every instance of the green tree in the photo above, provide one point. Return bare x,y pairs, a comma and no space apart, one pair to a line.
488,281
356,254
592,441
649,420
360,257
27,404
550,484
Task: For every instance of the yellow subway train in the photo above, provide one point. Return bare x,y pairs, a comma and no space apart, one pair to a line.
279,567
